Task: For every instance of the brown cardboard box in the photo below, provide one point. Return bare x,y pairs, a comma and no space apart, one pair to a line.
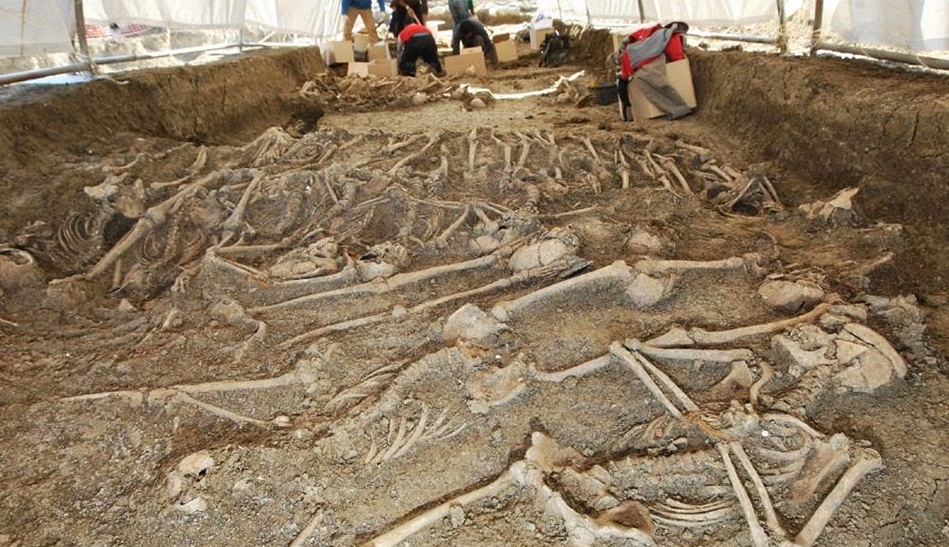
458,64
384,68
357,69
338,52
680,78
360,42
507,51
498,38
378,52
537,36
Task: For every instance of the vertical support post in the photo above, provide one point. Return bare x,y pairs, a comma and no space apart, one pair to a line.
81,34
818,25
240,40
642,11
782,27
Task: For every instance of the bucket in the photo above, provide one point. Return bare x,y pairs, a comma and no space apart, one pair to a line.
605,94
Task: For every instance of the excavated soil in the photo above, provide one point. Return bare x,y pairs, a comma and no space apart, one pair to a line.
233,308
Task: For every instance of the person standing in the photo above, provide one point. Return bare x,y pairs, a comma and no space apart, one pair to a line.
416,41
362,9
461,11
406,12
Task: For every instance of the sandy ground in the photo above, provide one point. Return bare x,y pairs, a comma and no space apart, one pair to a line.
199,348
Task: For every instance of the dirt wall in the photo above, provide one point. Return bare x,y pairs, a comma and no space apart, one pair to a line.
838,123
221,102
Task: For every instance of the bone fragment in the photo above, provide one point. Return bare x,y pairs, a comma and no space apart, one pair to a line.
690,354
758,536
472,148
221,412
7,323
619,271
402,532
630,360
155,216
401,163
663,378
867,462
671,166
507,152
771,518
716,338
308,530
379,287
577,371
869,336
233,223
500,284
591,148
442,240
525,151
767,374
704,154
661,267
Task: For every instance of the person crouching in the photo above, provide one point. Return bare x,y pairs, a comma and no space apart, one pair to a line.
416,41
471,33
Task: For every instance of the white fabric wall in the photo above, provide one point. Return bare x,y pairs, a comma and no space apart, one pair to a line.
35,27
317,18
914,25
29,27
168,13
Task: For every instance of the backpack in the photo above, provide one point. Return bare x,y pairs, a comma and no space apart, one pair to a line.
554,50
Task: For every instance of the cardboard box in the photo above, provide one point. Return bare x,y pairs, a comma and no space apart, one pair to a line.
378,52
679,74
360,42
507,51
387,68
498,38
434,25
338,52
537,36
470,57
357,69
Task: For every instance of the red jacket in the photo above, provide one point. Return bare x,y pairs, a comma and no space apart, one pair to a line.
412,30
674,50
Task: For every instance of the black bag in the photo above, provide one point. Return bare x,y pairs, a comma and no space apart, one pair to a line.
554,50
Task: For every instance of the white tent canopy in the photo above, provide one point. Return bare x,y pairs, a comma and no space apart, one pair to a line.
45,26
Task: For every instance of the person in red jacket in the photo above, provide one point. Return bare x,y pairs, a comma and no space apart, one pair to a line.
416,41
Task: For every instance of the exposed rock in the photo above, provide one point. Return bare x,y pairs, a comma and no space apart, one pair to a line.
790,297
470,323
871,370
197,505
646,291
644,244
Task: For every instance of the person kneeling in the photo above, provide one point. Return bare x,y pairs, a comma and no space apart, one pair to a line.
416,41
471,33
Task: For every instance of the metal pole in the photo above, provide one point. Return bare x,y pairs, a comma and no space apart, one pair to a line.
83,40
782,27
642,12
896,56
734,37
818,24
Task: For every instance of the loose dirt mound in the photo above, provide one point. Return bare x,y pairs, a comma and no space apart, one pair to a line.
423,319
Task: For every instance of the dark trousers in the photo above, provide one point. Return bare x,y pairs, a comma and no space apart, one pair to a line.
419,46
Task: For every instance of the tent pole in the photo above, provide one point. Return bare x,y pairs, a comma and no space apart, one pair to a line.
81,35
818,25
782,27
642,12
884,55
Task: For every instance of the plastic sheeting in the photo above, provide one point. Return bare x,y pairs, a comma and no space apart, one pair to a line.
320,19
168,13
913,25
35,27
697,12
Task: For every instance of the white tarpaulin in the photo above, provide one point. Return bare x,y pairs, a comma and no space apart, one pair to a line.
914,25
168,13
312,17
711,12
32,27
